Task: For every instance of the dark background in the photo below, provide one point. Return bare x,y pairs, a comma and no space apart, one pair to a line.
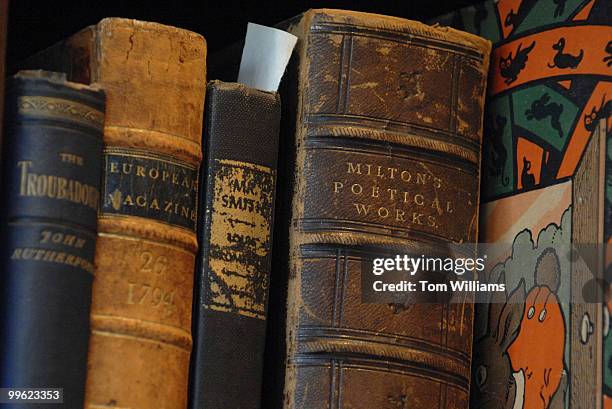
36,24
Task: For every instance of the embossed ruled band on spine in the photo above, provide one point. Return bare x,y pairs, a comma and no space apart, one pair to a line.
57,108
121,326
409,135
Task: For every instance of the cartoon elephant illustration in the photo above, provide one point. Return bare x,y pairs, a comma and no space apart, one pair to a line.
519,362
537,353
494,383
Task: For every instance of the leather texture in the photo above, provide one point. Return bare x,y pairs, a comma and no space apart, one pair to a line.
233,273
154,78
51,180
380,152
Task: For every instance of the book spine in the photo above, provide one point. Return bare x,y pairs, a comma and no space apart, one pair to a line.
234,264
51,180
386,148
4,9
154,78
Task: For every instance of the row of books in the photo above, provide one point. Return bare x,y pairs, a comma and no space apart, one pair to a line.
140,207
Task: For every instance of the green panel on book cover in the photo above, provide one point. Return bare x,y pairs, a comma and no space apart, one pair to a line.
546,113
551,11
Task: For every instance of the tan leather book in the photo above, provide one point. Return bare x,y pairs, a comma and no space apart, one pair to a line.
383,123
154,78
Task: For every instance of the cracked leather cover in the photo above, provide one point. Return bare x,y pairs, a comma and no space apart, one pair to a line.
380,153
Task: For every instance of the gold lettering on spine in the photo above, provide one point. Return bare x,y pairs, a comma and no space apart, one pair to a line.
55,187
23,165
240,238
72,158
416,197
147,185
51,256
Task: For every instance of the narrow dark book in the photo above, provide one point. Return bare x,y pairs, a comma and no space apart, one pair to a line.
380,152
237,199
51,178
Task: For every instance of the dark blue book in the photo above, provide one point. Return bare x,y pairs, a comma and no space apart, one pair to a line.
48,208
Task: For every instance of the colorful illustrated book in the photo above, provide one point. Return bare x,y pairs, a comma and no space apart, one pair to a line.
544,191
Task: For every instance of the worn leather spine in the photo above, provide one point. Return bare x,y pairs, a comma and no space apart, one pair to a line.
51,179
381,151
154,77
233,273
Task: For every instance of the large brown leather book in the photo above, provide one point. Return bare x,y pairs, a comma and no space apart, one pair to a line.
383,116
154,78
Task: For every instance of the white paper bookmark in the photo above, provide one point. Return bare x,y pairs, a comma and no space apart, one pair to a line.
265,56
